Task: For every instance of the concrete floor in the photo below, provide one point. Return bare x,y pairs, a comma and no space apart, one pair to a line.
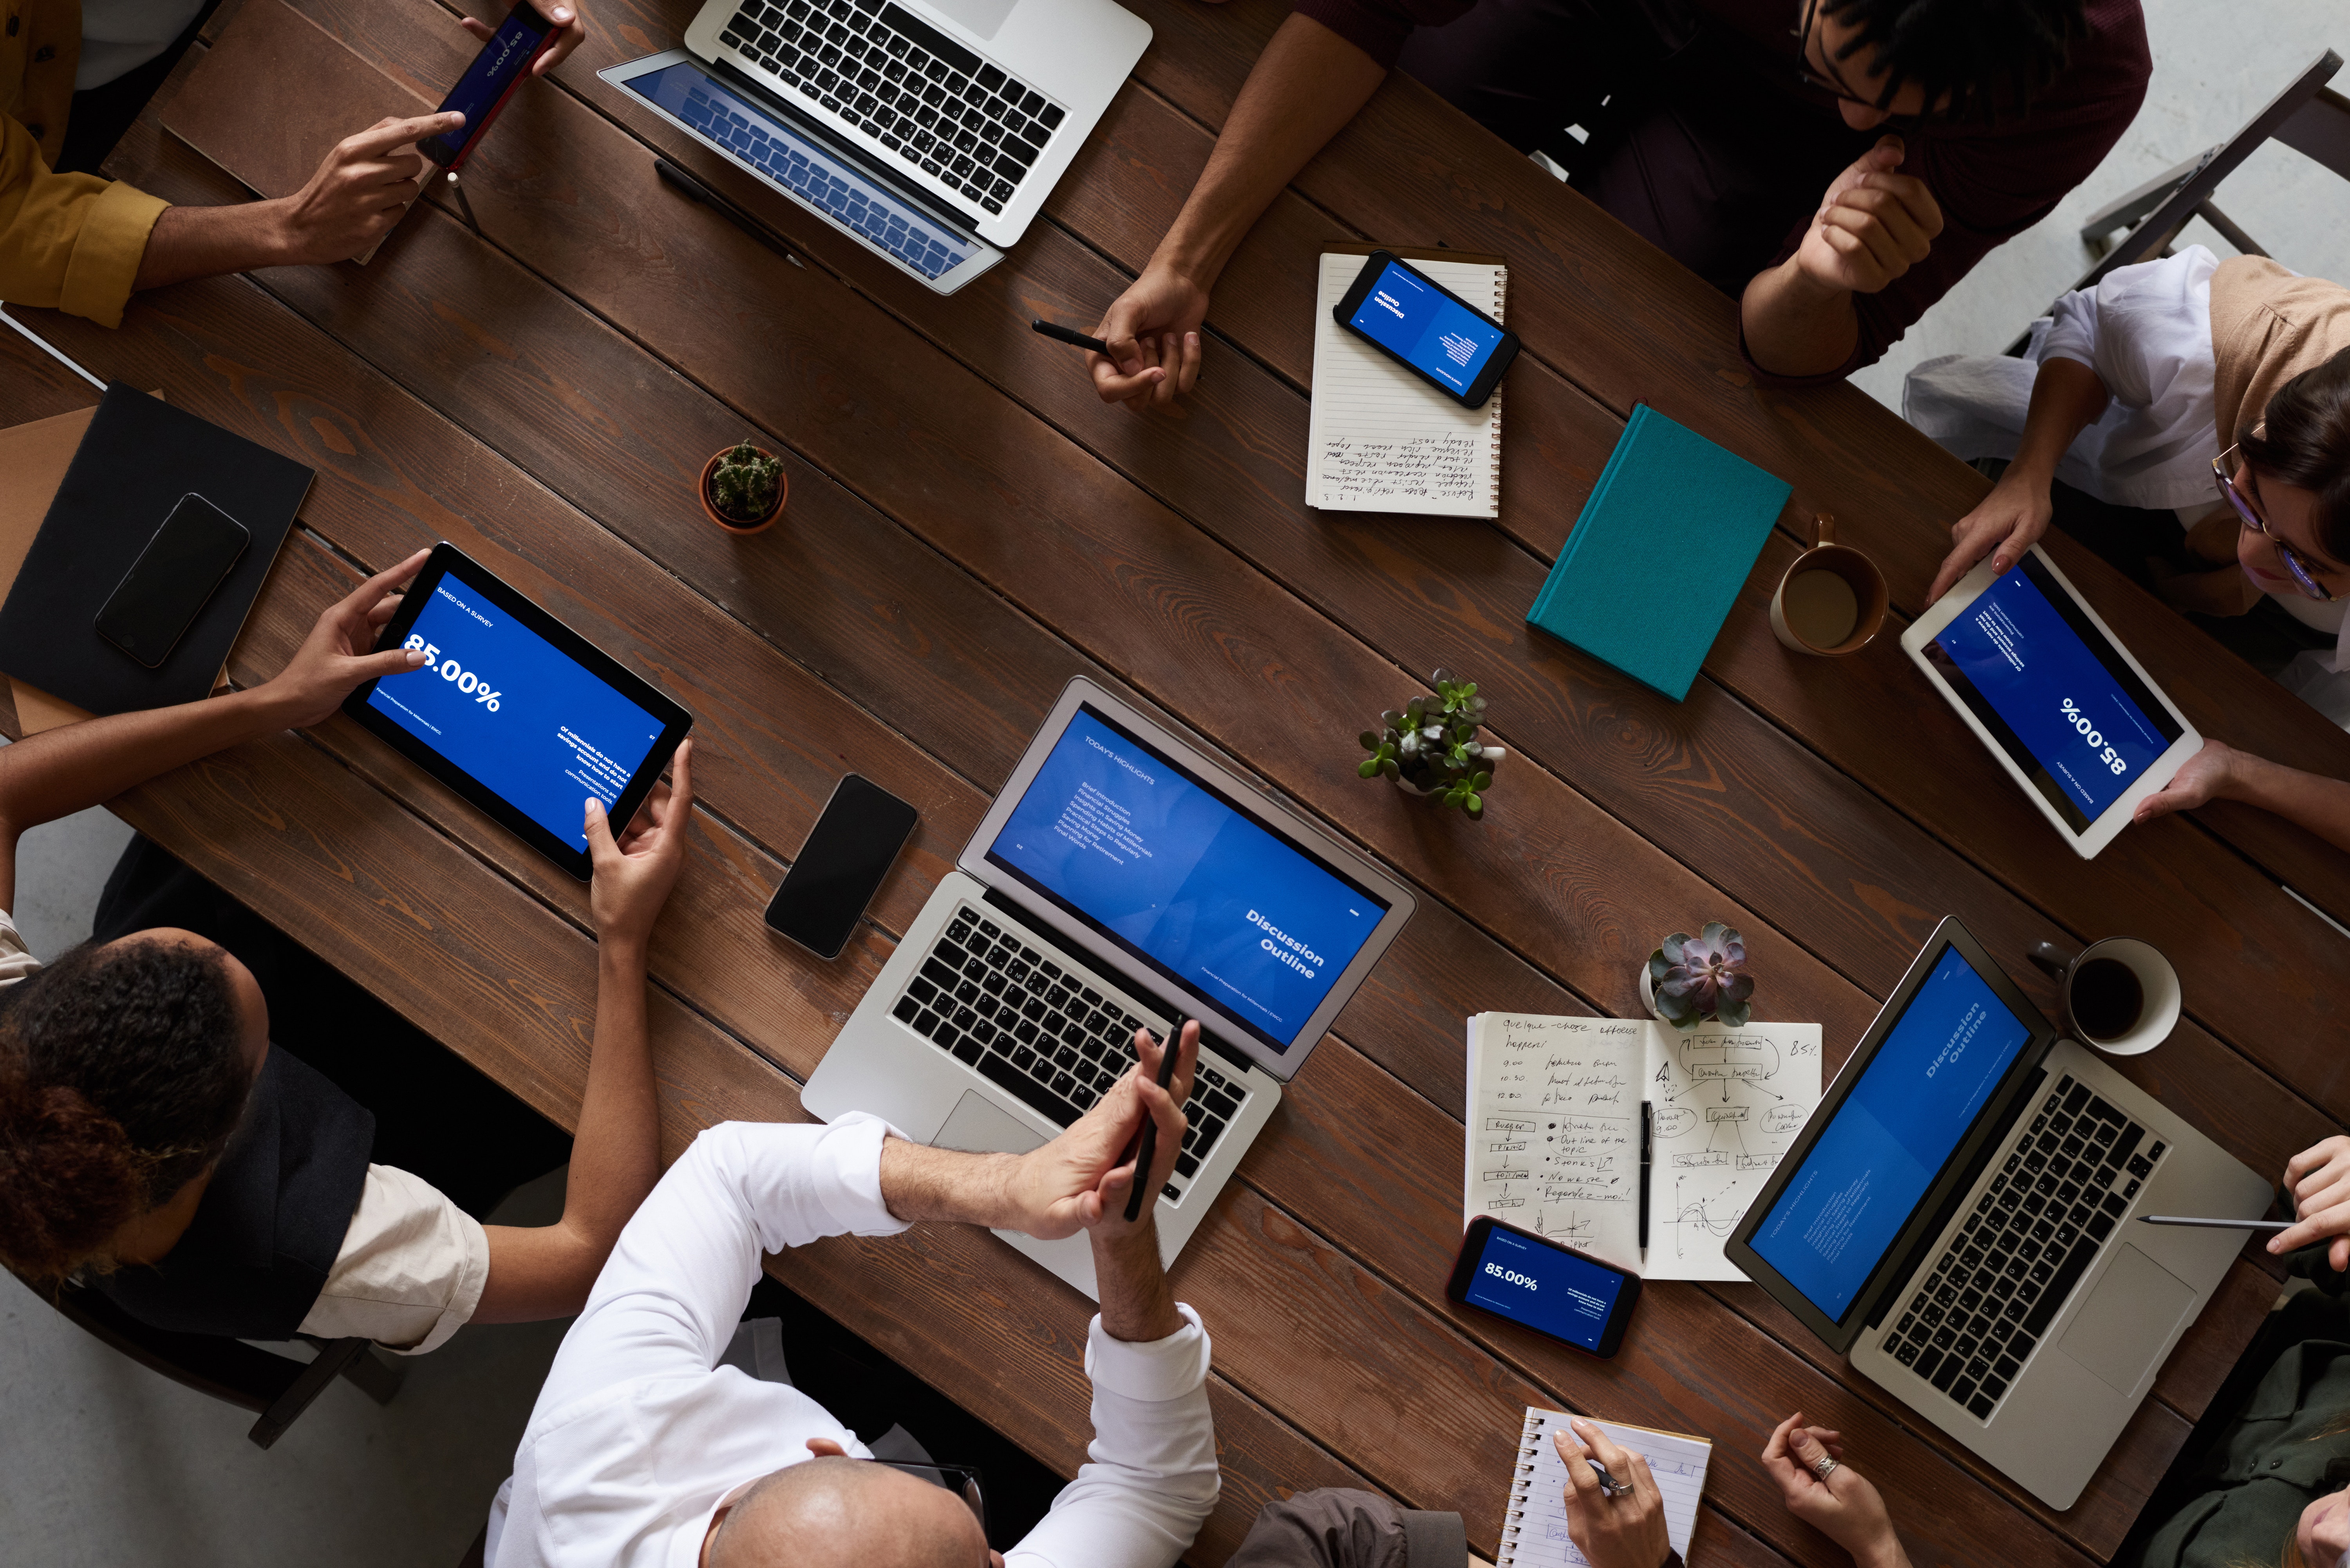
103,1463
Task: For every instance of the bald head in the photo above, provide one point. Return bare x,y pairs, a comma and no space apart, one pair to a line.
844,1513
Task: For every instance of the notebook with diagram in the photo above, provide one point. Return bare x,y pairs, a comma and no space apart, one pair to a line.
1635,1141
1380,440
1533,1525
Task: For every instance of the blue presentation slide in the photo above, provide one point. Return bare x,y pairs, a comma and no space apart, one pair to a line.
513,711
1118,833
2081,727
1432,332
1921,1092
1543,1288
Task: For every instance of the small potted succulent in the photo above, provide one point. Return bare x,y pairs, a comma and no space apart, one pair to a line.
743,489
1430,747
1703,979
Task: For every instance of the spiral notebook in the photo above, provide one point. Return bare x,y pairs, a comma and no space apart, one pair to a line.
1533,1526
1381,439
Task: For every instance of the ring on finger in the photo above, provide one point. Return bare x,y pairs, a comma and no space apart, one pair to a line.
1824,1465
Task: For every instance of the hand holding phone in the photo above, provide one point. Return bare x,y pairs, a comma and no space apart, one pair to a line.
506,56
1428,329
1552,1289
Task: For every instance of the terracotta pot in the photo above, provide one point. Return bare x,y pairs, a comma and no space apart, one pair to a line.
709,510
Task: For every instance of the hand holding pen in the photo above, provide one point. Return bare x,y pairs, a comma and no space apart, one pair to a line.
1162,1081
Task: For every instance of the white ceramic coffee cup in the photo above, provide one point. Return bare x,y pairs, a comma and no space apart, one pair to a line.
2157,986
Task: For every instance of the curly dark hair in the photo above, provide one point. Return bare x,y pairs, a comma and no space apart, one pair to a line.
1992,56
121,1075
2307,443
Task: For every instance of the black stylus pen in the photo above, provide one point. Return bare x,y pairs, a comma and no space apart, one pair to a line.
1149,1150
2201,1222
1061,334
693,190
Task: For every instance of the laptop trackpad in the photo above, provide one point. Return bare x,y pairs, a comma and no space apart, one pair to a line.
2126,1319
982,16
977,1127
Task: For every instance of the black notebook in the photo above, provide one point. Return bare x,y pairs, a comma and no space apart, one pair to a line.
138,456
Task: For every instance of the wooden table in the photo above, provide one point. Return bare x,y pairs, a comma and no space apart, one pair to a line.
969,527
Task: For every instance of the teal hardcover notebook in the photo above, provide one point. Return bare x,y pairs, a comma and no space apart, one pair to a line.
1659,556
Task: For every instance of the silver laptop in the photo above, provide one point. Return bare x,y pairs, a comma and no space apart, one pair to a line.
931,131
1125,878
1960,1215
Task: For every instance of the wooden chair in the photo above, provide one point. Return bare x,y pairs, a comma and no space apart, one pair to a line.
2307,116
279,1389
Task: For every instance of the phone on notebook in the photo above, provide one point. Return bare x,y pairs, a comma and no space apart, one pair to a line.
489,81
1552,1289
840,868
171,581
1428,329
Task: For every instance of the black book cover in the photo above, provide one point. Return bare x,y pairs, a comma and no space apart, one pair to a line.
138,456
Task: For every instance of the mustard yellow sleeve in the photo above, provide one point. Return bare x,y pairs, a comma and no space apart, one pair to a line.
69,241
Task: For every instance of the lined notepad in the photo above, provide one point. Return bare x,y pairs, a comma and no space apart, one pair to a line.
1533,1526
1381,439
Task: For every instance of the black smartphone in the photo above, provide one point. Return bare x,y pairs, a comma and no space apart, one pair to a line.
489,81
1551,1289
173,580
840,867
1428,329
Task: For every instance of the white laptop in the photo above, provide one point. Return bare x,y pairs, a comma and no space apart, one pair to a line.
931,131
1125,878
1958,1216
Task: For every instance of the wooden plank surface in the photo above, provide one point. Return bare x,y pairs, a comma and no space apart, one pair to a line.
969,527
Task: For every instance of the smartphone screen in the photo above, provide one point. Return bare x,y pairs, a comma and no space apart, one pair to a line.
172,579
488,80
1533,1282
1428,329
847,852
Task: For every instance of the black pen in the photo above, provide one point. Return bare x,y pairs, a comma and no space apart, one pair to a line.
1060,333
1149,1150
693,190
2205,1224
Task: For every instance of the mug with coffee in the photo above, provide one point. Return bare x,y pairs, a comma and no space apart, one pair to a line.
1832,599
2119,995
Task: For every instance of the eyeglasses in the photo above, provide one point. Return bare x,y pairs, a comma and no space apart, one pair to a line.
2302,575
960,1479
1833,85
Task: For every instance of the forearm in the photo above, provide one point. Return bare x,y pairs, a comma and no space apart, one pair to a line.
2067,397
1796,325
2318,804
1137,1304
210,241
946,1186
1305,86
615,1151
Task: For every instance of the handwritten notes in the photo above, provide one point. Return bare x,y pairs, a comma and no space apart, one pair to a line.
1555,1128
1554,1114
1533,1528
1380,440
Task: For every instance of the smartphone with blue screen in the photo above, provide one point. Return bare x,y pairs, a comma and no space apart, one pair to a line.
1426,328
1552,1289
489,81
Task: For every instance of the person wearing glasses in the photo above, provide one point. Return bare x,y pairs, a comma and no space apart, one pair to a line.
643,1449
2188,419
1834,165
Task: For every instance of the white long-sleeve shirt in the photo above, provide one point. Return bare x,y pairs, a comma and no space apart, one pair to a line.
639,1434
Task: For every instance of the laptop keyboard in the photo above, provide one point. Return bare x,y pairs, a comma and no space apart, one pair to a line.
1969,1329
1038,1029
931,103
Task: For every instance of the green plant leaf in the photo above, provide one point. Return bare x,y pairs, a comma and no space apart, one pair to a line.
1481,782
1367,769
1733,1015
1370,740
1476,803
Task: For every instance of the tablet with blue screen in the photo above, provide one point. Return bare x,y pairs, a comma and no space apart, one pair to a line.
515,712
2044,684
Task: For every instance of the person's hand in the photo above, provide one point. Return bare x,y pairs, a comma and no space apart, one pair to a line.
1079,1181
570,32
1873,226
1611,1531
2003,524
2204,777
634,873
2319,1180
1844,1507
336,657
1153,333
357,191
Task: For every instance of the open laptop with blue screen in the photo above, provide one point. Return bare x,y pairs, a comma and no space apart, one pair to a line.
1124,878
1955,1219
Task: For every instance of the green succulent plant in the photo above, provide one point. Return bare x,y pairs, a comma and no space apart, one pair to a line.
1702,976
743,484
1431,744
